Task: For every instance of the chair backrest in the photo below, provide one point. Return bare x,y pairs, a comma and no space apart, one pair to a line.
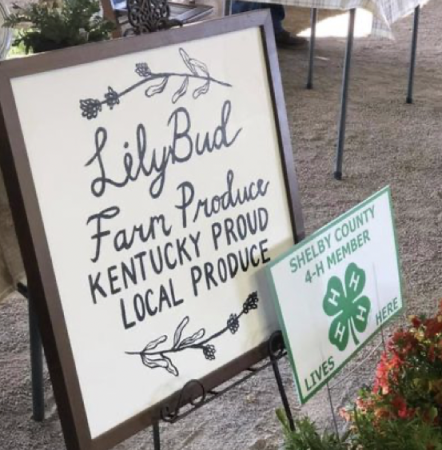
145,16
5,33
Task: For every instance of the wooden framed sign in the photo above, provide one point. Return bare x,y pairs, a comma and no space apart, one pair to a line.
150,179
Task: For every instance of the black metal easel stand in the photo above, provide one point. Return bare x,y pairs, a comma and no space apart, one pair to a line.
276,351
38,401
193,395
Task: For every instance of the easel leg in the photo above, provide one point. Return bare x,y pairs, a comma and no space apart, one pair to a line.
38,401
344,97
275,349
283,394
332,409
156,436
36,350
313,20
413,56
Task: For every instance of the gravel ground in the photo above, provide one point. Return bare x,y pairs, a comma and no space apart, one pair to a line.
388,142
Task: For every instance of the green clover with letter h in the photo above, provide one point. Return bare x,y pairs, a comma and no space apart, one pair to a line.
349,308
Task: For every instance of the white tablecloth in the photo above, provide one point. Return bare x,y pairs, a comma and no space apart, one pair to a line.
385,12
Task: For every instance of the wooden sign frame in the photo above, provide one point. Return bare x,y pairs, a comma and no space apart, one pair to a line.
33,239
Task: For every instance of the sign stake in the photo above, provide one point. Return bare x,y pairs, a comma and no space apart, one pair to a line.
332,408
276,349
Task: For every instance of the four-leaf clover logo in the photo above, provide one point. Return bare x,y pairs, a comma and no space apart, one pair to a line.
348,307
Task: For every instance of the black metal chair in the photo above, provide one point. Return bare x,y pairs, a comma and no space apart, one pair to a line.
146,16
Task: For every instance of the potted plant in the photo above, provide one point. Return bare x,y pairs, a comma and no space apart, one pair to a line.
403,409
405,402
50,25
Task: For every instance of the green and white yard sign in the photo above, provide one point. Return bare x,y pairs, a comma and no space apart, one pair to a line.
336,289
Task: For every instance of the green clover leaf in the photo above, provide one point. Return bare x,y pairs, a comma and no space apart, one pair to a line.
348,306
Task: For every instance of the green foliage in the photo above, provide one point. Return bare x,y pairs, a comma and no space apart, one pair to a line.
306,436
395,434
365,434
17,51
47,26
403,410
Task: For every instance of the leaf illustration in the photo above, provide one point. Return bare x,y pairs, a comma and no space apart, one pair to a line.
201,66
335,298
179,331
192,339
187,61
201,90
155,83
171,368
156,88
181,91
155,343
339,332
159,361
153,362
154,359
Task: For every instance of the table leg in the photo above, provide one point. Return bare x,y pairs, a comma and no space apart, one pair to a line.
344,96
313,21
413,56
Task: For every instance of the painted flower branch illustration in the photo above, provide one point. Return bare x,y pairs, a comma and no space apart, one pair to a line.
156,84
153,358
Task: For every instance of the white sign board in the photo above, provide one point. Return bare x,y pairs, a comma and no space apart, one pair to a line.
336,289
159,179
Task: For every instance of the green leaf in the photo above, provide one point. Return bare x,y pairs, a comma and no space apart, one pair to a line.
49,25
354,281
334,298
350,310
339,332
360,313
282,417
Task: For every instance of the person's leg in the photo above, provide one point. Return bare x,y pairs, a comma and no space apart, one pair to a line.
283,37
241,7
278,15
277,11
